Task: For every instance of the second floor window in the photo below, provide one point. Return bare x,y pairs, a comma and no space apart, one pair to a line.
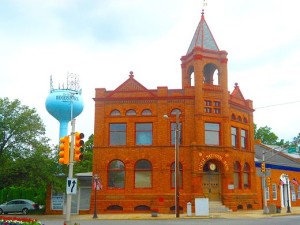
143,133
212,133
117,134
244,139
233,136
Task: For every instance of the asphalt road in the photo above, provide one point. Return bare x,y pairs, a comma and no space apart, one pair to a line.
286,220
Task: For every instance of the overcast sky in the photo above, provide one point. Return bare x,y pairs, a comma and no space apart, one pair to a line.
102,40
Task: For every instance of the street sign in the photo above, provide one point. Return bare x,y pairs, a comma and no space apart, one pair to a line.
71,186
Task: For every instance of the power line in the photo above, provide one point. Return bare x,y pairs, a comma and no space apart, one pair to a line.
286,103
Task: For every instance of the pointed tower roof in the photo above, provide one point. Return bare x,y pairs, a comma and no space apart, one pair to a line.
203,37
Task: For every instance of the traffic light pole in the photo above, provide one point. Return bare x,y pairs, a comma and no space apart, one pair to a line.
71,164
266,209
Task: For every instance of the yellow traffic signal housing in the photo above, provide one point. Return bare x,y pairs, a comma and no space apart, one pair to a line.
268,181
78,146
64,153
263,167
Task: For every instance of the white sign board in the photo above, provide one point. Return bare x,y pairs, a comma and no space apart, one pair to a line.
71,186
201,207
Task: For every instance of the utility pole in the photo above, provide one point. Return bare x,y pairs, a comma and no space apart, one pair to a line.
266,209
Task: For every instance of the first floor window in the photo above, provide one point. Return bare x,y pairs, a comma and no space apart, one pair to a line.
246,175
116,174
212,133
236,175
143,133
143,174
117,134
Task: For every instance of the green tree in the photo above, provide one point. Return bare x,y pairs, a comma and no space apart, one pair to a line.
266,136
26,158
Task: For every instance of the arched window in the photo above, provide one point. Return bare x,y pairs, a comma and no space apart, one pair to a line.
191,77
233,117
239,118
143,174
115,112
115,208
236,174
210,74
246,175
146,112
173,174
116,174
131,112
245,120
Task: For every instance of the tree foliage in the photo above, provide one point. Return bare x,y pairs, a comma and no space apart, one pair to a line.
25,155
267,137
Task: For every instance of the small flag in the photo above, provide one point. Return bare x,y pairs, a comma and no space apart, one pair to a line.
281,182
294,181
97,185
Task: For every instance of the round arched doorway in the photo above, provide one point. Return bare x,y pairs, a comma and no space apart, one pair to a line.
211,182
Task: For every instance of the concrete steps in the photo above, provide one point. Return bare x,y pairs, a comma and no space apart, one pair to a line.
217,207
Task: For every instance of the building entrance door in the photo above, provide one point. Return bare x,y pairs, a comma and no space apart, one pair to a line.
211,186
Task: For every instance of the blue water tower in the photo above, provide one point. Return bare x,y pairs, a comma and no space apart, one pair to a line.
65,103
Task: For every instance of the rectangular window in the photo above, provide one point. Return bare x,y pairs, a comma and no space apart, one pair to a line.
217,104
117,134
234,136
217,111
298,191
143,135
236,180
274,191
212,133
207,103
246,180
243,139
173,133
207,109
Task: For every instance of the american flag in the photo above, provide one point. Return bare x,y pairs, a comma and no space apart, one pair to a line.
294,181
97,185
281,182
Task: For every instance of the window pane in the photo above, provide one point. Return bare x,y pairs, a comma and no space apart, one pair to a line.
212,133
143,179
117,134
233,137
144,133
243,139
116,179
116,174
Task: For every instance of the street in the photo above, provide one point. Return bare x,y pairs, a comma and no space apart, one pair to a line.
286,220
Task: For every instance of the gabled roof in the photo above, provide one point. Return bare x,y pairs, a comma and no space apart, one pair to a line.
237,94
130,88
203,37
275,159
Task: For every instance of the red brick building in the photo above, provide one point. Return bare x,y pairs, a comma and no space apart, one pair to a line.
134,138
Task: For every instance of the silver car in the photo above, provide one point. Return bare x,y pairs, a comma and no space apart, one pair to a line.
18,205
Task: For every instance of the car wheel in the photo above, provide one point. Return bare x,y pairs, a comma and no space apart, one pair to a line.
25,211
1,211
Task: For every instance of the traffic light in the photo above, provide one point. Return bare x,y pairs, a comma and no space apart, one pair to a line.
64,153
263,167
268,181
78,146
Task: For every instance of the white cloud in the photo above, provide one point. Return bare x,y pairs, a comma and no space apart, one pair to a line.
102,41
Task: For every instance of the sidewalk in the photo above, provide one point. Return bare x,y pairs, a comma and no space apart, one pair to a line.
135,216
